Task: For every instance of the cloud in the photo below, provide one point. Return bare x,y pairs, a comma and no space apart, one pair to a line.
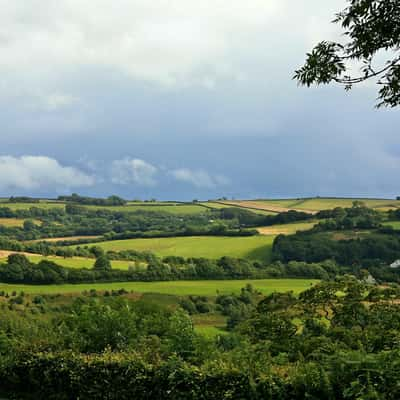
56,101
169,42
199,178
39,172
133,170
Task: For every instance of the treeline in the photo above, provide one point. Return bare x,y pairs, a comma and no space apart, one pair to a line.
315,346
356,217
372,248
18,269
93,201
78,220
23,199
252,219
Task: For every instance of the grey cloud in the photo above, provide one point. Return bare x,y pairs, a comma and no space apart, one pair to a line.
199,178
133,170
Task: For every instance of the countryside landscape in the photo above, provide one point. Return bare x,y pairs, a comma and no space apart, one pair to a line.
200,200
201,282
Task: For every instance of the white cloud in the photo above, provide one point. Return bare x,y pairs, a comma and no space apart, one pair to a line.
165,41
39,172
199,178
56,101
133,170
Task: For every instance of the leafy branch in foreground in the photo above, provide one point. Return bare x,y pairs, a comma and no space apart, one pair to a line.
372,28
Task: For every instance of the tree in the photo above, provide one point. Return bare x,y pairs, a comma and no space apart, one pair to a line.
102,263
372,27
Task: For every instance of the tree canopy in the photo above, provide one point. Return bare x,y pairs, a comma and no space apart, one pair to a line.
372,30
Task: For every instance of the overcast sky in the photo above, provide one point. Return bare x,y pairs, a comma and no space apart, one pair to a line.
182,99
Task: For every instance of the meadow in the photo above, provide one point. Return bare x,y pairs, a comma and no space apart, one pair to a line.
311,204
286,229
163,207
393,224
12,222
178,288
25,206
249,247
75,262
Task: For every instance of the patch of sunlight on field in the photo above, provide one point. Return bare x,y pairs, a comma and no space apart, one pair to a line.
180,288
250,247
25,206
12,222
176,209
76,262
330,203
393,224
286,229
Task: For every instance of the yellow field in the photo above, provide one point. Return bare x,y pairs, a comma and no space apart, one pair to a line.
312,205
11,222
286,229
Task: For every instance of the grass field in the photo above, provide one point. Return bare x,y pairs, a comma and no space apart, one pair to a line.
273,206
61,239
394,224
179,288
172,209
286,229
250,247
325,204
25,206
313,204
76,262
11,222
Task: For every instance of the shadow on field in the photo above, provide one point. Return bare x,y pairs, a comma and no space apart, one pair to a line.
262,253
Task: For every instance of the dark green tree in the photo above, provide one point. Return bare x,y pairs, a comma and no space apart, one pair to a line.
372,28
102,263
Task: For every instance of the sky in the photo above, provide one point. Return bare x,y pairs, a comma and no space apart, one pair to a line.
182,100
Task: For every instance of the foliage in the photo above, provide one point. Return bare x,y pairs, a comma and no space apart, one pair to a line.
372,27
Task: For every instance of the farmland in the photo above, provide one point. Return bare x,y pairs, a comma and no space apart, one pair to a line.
74,262
10,222
201,282
179,288
176,209
286,229
252,247
311,205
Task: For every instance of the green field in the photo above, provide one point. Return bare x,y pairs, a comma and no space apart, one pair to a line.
76,262
180,288
168,208
25,206
250,247
317,204
393,224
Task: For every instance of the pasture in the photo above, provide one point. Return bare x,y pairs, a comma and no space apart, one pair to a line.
250,247
179,288
393,224
312,204
73,262
329,203
11,222
177,209
26,206
286,229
